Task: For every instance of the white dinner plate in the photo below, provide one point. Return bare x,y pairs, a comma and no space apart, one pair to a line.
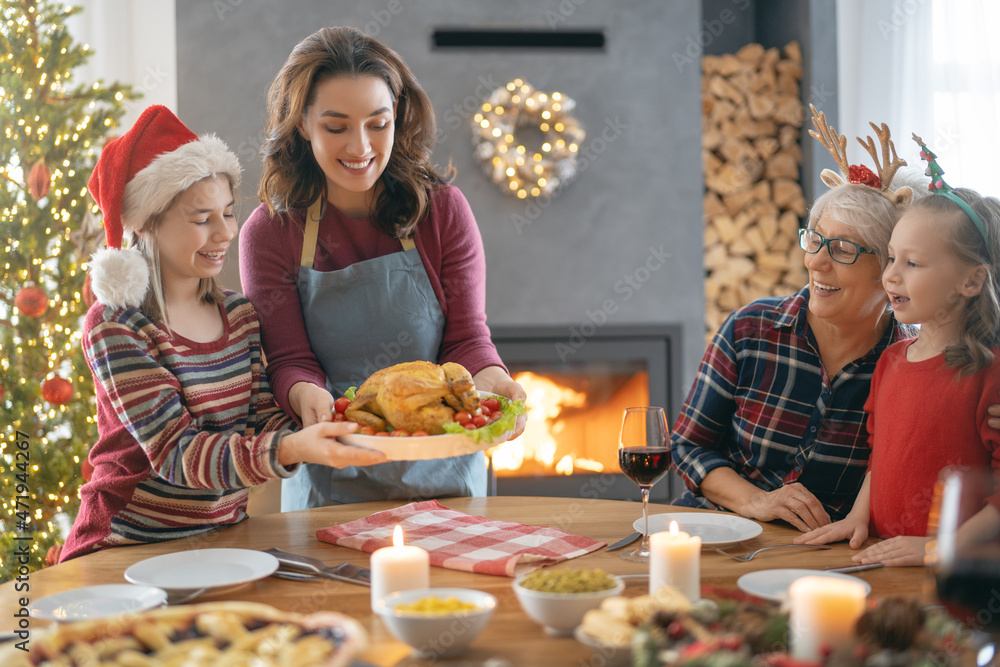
97,602
773,584
715,529
425,447
202,568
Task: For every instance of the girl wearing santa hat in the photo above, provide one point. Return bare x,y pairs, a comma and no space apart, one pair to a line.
186,418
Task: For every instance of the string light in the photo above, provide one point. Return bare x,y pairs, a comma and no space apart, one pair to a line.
58,125
524,171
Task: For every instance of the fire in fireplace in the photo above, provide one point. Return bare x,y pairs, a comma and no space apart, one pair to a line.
578,387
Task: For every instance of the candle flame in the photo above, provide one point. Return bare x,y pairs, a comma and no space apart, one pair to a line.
674,530
397,536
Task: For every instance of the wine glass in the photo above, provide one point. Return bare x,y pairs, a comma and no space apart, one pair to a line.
965,557
644,457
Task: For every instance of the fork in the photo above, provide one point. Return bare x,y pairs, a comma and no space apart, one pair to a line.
750,556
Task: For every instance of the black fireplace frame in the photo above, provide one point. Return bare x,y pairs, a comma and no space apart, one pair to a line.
660,345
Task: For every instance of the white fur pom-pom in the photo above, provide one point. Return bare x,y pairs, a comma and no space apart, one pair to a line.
119,278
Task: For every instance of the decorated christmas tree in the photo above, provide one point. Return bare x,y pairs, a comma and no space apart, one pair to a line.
53,130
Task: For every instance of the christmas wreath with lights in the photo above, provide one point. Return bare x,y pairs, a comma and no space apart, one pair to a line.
518,169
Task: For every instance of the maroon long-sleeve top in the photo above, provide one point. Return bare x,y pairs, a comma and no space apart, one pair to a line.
450,247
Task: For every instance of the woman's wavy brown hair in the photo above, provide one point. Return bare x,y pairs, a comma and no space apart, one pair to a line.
291,177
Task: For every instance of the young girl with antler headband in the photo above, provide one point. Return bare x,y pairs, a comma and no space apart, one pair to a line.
930,394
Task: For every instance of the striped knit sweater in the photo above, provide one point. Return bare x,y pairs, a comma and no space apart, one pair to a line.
185,428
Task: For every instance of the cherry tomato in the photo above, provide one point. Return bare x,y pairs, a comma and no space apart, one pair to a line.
340,405
485,410
492,402
383,434
366,430
480,421
495,416
339,417
463,417
469,426
400,433
419,434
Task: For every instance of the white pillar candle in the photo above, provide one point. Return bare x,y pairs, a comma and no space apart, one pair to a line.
399,568
823,613
675,560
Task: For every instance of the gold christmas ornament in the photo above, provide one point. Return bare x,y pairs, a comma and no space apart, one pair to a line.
527,141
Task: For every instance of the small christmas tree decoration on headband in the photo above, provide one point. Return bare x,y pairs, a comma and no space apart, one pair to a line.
858,173
939,187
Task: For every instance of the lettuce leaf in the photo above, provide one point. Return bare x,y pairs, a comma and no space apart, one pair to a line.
492,432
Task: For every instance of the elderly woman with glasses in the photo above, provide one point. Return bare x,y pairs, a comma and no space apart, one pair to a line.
774,426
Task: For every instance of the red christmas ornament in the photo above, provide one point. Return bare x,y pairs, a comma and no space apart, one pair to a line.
3,392
88,292
57,390
86,469
32,301
859,173
39,179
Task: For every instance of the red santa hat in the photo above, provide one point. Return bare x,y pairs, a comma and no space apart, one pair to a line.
137,177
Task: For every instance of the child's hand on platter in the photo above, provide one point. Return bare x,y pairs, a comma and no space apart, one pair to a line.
895,551
318,444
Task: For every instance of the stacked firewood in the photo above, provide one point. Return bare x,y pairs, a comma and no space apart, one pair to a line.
752,117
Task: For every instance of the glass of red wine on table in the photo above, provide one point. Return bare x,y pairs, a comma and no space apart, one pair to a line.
965,557
644,457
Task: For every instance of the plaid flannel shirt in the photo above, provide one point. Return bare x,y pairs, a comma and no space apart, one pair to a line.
762,404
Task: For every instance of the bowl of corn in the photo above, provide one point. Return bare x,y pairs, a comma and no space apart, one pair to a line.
436,622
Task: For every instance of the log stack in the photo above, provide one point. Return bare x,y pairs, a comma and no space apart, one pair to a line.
752,115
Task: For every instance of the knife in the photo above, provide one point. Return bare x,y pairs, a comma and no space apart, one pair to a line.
625,542
856,568
352,574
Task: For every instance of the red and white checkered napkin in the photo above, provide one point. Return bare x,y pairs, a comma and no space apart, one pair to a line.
461,541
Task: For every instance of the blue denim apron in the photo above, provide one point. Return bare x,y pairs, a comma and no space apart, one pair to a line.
360,319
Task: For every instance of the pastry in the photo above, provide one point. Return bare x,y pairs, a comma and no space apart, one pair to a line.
210,634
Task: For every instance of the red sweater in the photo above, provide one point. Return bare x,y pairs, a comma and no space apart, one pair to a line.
449,244
922,419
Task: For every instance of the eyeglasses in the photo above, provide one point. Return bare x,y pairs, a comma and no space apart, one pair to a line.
841,250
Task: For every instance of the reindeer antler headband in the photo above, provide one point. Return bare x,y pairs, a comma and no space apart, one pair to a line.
939,187
858,173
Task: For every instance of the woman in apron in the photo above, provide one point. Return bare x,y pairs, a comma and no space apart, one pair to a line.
361,256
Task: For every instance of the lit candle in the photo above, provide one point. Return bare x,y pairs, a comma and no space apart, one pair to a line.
399,568
675,560
823,612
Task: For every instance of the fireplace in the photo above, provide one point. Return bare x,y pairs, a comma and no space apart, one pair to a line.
578,381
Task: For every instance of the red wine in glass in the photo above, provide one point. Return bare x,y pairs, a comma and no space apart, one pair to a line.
644,465
965,559
644,457
970,591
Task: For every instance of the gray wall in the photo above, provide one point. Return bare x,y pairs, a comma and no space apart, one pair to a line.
639,99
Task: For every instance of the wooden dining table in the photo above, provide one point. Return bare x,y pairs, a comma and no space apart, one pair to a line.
511,636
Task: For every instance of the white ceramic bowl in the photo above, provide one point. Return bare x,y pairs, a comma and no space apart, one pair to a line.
438,636
560,613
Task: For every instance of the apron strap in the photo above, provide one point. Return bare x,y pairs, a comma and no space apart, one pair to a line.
313,216
311,235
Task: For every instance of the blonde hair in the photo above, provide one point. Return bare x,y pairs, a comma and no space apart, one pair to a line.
154,305
863,208
982,315
291,177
